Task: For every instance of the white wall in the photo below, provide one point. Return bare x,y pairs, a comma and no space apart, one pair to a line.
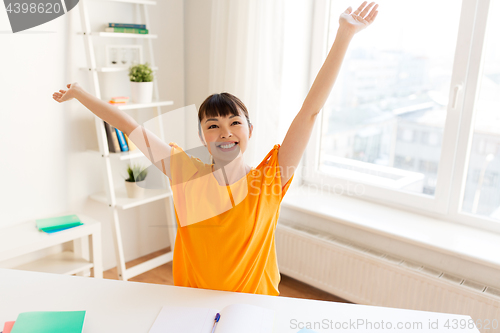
46,169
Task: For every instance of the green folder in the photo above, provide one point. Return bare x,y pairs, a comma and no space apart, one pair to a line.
60,222
49,322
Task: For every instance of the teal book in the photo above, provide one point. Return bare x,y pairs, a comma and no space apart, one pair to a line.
49,322
56,230
58,223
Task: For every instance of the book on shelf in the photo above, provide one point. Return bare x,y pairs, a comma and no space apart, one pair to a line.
113,143
119,99
128,30
131,145
54,224
127,25
121,140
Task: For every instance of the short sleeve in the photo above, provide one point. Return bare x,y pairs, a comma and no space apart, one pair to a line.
182,166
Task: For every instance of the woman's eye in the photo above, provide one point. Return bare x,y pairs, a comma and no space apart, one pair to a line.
209,127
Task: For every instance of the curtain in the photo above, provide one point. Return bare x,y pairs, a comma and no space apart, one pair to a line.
246,60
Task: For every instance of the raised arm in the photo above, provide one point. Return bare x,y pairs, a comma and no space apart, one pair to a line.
157,151
299,133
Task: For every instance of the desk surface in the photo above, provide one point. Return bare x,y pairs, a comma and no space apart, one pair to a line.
124,306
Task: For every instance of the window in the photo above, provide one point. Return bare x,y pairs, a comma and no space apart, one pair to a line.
411,117
482,187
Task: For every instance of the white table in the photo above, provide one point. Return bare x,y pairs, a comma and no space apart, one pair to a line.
23,238
124,306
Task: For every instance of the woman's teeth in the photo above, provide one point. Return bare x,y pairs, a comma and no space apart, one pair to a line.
227,146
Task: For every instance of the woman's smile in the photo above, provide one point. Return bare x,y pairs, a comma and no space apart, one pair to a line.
227,146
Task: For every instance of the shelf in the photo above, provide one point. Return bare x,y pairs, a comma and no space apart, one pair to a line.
139,2
59,263
123,202
122,156
23,238
119,35
118,192
111,69
133,106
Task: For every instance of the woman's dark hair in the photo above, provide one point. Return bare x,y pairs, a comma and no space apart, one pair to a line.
221,105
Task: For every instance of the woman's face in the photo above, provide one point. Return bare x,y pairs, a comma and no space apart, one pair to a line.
226,137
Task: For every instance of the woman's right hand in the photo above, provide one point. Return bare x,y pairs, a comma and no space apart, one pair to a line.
66,95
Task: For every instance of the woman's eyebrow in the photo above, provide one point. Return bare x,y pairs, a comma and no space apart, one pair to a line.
218,119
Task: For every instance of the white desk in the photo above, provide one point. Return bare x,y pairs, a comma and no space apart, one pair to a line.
124,306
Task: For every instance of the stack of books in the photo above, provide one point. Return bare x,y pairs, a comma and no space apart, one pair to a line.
119,100
117,140
128,28
47,322
55,224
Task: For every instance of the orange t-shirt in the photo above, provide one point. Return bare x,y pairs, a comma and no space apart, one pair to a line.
225,234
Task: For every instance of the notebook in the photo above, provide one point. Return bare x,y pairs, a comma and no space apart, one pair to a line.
241,318
49,322
58,223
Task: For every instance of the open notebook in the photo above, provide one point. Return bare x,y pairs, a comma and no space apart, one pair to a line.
241,318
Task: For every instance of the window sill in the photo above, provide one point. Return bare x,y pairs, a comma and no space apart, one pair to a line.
453,247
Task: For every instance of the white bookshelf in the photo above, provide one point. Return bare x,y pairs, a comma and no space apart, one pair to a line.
118,35
123,202
111,69
122,156
114,195
134,106
139,2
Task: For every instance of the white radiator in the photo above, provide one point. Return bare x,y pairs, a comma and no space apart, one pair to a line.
363,276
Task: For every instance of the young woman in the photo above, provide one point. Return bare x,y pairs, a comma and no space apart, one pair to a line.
227,211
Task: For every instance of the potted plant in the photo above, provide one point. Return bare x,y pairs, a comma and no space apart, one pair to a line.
135,181
141,83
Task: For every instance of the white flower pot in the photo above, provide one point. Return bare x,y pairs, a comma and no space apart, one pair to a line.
141,92
135,189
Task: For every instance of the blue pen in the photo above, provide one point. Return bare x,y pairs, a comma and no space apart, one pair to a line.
216,320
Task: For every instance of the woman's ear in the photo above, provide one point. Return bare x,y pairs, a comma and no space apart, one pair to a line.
251,130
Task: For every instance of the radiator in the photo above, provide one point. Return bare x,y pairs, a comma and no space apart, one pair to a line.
364,276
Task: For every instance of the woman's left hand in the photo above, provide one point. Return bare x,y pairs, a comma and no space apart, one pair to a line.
360,18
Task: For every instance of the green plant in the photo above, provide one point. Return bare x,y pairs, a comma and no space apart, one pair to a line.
140,73
136,173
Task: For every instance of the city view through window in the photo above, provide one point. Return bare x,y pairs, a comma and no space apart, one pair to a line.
384,121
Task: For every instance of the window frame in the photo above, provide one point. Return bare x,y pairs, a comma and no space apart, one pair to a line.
457,133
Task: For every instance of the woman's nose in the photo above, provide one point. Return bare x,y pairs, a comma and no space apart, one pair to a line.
226,134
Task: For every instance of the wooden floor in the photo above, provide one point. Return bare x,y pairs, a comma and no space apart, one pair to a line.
288,287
